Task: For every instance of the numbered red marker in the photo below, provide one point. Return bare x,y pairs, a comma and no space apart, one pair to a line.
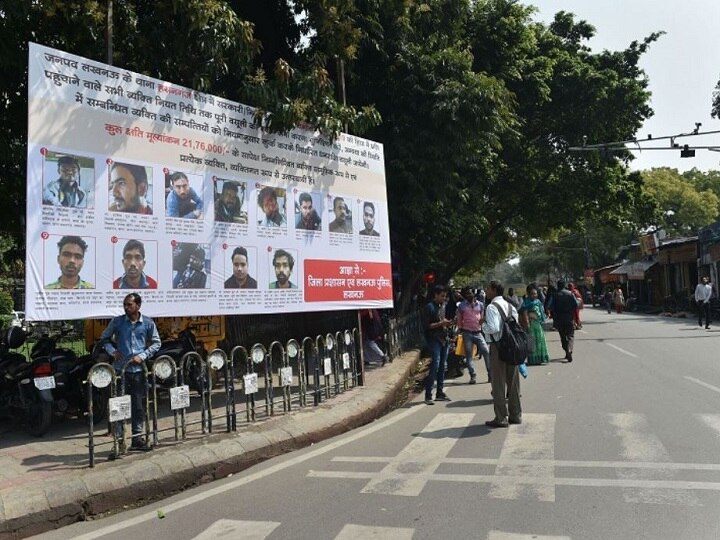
269,249
114,239
44,235
225,246
173,243
166,170
109,161
43,151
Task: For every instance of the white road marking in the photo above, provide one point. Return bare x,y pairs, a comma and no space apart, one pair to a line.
557,462
199,497
712,421
360,532
530,480
247,530
639,444
703,383
619,349
533,440
499,535
421,456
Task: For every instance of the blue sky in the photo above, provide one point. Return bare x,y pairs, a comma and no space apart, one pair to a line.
683,66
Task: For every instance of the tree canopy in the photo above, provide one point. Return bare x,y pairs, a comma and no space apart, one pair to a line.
682,208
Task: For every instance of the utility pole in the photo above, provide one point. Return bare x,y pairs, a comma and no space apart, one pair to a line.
110,32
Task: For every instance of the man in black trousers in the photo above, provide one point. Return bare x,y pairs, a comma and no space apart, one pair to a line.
564,308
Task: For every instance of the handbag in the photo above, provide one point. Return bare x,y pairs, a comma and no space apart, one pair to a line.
459,346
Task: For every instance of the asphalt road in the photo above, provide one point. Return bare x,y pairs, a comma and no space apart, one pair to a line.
624,443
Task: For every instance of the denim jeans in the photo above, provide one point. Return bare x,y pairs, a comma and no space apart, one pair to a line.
136,388
477,339
439,352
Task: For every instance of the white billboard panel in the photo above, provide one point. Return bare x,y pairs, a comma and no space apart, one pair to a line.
136,184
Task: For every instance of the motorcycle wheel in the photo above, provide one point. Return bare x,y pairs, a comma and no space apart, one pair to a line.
39,415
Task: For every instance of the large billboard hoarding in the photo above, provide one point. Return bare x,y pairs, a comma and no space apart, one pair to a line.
139,185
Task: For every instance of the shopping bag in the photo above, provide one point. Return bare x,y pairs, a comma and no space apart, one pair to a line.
459,346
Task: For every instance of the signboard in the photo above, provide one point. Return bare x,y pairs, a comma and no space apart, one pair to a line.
286,376
137,184
179,397
649,244
120,408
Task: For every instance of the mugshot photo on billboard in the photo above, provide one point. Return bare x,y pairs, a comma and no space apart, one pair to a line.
135,263
284,270
184,195
191,266
340,217
271,202
130,188
69,262
308,209
68,180
240,267
230,200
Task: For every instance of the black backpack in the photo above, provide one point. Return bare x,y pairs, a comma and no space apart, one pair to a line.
513,345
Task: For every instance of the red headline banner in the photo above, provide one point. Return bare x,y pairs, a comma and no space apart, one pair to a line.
345,281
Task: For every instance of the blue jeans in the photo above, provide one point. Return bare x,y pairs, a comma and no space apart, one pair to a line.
439,352
477,339
136,388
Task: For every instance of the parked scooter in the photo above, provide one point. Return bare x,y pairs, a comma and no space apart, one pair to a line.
25,387
70,394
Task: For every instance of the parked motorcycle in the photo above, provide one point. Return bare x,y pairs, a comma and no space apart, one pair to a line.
25,387
70,395
177,348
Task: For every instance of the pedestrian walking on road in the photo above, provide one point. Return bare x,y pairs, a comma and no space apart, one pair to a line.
703,294
578,295
469,318
504,376
436,334
619,299
564,310
608,298
532,317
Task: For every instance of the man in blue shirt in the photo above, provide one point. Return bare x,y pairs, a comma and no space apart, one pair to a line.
183,201
136,340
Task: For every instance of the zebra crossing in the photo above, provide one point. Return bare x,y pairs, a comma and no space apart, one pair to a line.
259,530
526,467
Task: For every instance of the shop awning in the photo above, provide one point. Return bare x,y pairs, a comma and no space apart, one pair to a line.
634,270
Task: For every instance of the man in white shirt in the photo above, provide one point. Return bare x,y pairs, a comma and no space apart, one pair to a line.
703,293
505,378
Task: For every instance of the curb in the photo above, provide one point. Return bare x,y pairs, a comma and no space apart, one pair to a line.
43,506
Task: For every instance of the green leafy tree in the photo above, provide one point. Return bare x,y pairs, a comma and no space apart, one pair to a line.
480,105
682,209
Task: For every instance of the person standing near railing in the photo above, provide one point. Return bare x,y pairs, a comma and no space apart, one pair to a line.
136,340
703,294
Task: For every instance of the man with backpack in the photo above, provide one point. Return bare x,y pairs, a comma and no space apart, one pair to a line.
436,325
504,376
564,309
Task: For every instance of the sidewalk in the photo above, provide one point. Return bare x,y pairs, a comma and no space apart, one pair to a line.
46,483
